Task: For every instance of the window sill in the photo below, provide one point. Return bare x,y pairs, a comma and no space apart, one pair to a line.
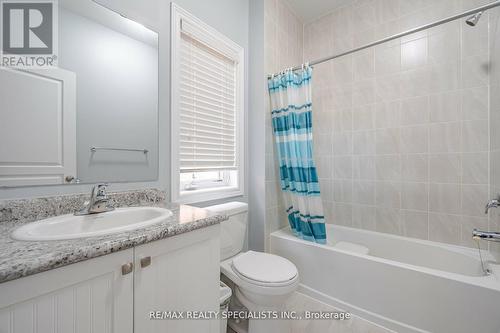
191,197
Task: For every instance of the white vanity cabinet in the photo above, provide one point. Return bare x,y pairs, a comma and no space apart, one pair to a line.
179,274
90,296
100,295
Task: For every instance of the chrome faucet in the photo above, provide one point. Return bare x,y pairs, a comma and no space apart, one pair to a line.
98,202
493,203
488,235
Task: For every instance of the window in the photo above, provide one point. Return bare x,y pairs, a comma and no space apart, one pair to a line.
207,111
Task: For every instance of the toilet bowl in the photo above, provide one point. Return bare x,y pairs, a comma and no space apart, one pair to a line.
263,281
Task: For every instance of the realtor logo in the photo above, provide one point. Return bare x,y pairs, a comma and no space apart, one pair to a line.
28,29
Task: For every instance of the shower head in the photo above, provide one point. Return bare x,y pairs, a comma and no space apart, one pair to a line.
474,19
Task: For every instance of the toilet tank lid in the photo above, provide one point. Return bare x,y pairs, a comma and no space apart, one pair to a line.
230,208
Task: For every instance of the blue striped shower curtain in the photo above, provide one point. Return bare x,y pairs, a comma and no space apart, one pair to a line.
291,105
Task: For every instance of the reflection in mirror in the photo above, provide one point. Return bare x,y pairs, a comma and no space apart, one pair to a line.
94,118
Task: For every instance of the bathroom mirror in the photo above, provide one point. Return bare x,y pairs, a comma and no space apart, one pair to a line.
94,117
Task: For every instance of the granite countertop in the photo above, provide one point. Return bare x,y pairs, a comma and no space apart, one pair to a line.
23,258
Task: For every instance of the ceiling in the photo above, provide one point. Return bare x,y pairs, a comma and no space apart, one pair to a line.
308,10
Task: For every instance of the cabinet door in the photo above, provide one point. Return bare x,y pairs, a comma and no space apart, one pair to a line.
91,296
183,275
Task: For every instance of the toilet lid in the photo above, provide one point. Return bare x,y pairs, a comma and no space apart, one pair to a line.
264,267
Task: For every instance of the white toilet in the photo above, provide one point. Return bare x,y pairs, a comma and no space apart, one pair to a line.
263,281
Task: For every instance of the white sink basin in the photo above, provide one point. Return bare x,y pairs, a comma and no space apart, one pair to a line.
71,226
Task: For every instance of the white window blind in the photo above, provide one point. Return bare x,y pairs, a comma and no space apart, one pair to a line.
207,107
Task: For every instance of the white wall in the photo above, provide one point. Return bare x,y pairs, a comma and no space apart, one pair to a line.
230,17
256,125
117,99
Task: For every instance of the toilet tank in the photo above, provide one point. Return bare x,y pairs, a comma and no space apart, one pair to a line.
233,231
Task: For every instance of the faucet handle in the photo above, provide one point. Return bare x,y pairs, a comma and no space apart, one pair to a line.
100,190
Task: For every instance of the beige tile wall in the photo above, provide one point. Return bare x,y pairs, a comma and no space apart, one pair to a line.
401,129
495,121
283,36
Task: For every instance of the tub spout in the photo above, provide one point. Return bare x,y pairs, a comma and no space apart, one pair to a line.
486,235
494,203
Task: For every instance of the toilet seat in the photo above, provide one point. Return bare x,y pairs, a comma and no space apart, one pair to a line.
274,291
264,269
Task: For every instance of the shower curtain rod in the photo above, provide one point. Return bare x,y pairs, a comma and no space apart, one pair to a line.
399,35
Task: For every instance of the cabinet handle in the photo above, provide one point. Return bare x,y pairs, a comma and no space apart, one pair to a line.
127,268
145,262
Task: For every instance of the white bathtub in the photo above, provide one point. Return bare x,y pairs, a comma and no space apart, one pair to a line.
404,284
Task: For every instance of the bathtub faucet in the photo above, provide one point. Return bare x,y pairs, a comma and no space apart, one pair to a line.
493,203
486,235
